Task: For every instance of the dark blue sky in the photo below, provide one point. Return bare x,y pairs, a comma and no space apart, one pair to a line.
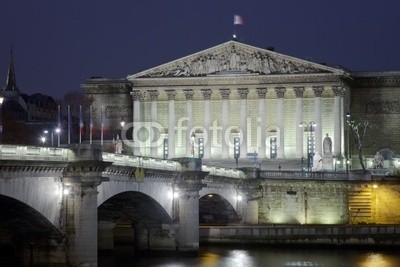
59,44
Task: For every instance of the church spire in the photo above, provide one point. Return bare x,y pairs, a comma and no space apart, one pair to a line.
11,83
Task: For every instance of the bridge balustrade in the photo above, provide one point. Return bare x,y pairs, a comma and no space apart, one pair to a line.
14,152
303,175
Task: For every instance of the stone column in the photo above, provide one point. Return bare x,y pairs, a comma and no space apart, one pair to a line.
280,93
299,91
189,115
243,119
189,184
207,123
171,93
318,118
337,120
153,98
81,178
262,92
225,122
136,97
343,122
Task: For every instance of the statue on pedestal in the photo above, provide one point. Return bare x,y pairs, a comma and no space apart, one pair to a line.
378,160
327,146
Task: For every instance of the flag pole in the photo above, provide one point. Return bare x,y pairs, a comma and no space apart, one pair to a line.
69,124
59,126
80,124
91,125
102,124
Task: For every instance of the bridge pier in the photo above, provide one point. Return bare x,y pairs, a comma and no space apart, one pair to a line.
189,184
81,179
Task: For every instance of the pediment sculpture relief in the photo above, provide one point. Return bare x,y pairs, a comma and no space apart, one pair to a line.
233,59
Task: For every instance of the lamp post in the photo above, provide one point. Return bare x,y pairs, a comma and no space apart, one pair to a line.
236,150
348,154
165,148
309,128
192,139
201,148
58,130
43,139
1,117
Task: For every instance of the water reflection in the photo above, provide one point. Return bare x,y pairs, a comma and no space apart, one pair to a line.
211,256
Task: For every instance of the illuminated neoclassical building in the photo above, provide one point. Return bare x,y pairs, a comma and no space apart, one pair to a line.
236,90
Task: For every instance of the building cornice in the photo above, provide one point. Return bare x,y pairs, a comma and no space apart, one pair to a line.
242,80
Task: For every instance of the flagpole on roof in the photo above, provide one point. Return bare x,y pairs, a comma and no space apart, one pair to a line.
80,124
91,124
237,20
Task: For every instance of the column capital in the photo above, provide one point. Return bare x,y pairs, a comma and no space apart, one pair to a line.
343,92
225,92
243,93
188,94
261,92
171,93
136,95
337,90
280,92
153,94
318,91
299,91
206,94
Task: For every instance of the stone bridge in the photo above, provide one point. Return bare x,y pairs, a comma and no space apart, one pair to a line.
56,203
60,205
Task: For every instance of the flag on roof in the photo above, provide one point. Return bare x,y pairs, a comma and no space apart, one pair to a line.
238,20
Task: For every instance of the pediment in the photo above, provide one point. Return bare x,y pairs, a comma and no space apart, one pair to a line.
234,58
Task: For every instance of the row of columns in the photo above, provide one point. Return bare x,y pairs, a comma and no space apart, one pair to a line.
243,92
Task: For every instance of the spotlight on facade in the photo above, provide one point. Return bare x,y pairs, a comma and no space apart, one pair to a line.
66,191
375,186
239,198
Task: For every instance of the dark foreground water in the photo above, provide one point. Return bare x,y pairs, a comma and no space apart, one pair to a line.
221,256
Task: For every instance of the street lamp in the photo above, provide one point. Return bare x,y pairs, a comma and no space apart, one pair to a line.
165,148
1,118
201,148
348,154
58,130
122,122
236,149
309,128
43,139
192,138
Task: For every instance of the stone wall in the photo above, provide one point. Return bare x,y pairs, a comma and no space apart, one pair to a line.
307,202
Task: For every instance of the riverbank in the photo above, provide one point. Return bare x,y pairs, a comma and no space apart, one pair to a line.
342,235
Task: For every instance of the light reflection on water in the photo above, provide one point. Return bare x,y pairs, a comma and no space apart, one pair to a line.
211,256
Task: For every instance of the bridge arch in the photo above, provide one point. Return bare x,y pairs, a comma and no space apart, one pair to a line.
135,206
229,193
44,194
215,209
26,235
160,192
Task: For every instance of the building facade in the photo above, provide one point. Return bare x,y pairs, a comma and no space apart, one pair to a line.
276,106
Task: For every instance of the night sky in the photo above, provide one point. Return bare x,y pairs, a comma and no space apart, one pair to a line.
59,44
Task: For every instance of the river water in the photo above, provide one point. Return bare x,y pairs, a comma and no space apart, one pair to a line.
220,256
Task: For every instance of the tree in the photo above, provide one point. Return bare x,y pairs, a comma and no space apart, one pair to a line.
359,129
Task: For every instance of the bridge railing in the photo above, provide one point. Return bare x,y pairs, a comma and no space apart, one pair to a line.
15,152
299,175
225,172
145,162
